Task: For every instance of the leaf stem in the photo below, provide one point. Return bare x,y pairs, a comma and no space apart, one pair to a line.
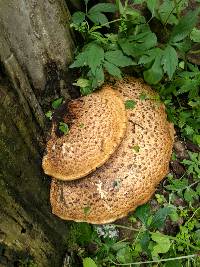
156,261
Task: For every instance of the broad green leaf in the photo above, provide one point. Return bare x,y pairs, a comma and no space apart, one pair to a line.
86,90
184,27
98,78
155,73
82,82
80,61
56,103
98,18
149,56
88,262
118,58
162,246
112,69
124,255
195,35
63,127
166,14
144,240
130,104
143,213
95,56
103,7
152,6
190,195
78,17
169,61
160,217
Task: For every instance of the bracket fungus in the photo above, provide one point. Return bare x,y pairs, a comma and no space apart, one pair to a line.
97,126
129,177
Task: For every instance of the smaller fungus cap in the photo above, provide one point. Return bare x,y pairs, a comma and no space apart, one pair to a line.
128,179
97,125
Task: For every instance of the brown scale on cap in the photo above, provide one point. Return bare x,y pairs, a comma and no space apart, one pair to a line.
97,125
128,179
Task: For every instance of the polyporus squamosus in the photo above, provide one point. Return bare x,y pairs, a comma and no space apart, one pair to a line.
97,126
128,179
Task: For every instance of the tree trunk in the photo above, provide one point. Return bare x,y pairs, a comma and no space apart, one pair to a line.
36,47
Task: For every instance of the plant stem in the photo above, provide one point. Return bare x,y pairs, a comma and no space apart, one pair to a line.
102,25
156,261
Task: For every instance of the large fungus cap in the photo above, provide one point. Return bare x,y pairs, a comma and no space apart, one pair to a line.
97,126
128,179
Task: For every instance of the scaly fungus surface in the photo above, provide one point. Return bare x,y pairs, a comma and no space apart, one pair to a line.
129,177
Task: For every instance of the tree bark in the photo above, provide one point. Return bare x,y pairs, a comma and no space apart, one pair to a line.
36,46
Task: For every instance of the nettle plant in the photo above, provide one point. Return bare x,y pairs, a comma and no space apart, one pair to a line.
130,40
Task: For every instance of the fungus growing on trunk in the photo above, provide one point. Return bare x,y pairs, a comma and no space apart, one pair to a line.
97,125
128,179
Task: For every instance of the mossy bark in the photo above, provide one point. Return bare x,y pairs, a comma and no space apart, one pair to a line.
36,46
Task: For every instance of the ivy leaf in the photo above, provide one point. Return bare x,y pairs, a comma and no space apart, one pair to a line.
56,103
162,244
155,73
118,58
169,61
88,262
112,69
184,27
160,217
78,17
103,7
143,213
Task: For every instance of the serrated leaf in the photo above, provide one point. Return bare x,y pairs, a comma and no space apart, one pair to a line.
155,73
103,7
80,61
160,217
184,27
195,35
169,61
130,104
98,18
98,78
82,82
165,12
152,6
190,195
112,69
162,246
149,56
95,56
120,7
177,185
56,103
118,58
88,262
78,17
143,213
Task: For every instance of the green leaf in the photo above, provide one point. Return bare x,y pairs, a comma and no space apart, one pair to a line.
92,56
49,114
103,7
82,82
63,127
56,103
162,246
88,262
143,213
119,245
195,35
117,58
112,69
78,17
190,195
98,18
144,240
130,104
155,73
152,6
166,14
120,7
169,61
160,217
124,255
177,185
184,27
136,148
98,78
